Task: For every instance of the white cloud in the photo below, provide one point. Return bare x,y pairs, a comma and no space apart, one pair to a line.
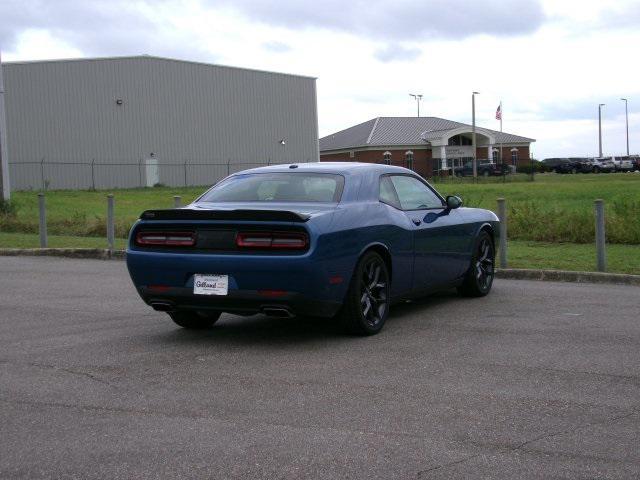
550,75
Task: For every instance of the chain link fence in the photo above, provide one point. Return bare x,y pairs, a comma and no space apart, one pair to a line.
46,174
52,174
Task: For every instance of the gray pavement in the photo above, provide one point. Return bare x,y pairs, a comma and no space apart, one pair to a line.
537,380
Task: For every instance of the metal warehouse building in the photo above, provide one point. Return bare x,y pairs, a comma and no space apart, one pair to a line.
140,121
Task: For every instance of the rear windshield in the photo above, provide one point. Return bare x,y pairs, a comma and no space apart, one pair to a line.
277,187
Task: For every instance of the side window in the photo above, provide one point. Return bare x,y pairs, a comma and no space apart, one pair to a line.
413,194
388,192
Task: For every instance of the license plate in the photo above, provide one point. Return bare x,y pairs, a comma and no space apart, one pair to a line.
210,284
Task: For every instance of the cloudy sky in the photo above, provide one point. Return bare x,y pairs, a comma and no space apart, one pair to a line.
550,61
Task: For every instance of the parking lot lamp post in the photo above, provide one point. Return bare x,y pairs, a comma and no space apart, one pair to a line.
473,133
600,129
418,98
5,189
626,117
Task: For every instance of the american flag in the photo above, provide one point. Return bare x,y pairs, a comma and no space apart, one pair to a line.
499,112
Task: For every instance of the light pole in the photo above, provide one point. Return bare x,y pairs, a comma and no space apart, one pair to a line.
600,129
626,116
418,98
5,188
473,132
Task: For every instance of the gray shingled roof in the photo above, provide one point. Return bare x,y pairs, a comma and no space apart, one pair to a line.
389,131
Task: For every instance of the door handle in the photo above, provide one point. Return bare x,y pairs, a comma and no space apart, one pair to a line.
416,221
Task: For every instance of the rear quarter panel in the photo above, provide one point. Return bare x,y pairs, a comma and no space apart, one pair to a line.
356,227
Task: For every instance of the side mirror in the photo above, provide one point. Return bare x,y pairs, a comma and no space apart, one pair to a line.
453,202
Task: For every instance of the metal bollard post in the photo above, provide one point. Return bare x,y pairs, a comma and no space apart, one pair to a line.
502,215
600,236
110,223
177,201
43,221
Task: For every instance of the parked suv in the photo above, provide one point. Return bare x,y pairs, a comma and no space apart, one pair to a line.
553,163
568,165
605,165
581,164
484,169
624,164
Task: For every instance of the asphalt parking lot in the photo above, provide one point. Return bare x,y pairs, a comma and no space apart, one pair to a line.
538,380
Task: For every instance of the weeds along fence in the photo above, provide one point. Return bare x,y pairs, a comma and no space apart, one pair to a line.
94,174
111,227
83,214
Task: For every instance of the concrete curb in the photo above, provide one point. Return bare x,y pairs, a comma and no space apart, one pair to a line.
509,273
95,253
568,276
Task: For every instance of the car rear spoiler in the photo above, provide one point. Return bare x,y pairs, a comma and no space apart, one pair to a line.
251,215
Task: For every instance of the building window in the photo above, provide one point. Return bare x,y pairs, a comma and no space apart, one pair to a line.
458,140
387,157
352,154
408,156
514,156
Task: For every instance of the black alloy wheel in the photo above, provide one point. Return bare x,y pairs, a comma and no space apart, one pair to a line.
479,277
366,305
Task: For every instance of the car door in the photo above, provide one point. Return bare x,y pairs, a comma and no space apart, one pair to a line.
440,241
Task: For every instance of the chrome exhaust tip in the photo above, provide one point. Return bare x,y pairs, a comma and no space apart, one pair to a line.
279,312
163,306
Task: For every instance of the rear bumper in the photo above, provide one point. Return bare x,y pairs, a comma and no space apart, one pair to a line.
239,302
299,284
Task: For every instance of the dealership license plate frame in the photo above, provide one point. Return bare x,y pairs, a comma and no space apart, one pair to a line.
210,284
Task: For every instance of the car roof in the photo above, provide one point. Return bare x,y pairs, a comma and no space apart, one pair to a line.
339,168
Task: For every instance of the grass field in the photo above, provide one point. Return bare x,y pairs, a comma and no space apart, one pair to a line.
559,208
521,254
553,208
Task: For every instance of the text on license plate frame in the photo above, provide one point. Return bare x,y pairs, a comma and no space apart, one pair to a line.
210,284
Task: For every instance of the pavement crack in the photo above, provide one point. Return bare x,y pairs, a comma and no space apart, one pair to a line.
520,446
447,465
617,376
72,372
633,411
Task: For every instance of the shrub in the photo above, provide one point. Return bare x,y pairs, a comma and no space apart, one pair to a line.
7,208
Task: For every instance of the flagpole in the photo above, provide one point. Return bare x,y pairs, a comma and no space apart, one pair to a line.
501,159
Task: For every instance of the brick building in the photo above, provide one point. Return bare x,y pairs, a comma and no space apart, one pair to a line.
426,145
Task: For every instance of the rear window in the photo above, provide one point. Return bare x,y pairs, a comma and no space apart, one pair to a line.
277,187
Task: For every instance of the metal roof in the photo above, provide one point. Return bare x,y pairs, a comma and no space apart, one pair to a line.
150,57
389,131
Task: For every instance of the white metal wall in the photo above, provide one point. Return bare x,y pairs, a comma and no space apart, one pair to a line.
67,130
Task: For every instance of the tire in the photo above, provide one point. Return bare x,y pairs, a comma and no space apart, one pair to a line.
366,305
195,320
479,278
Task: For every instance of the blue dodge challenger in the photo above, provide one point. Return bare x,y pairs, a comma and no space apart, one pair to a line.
321,239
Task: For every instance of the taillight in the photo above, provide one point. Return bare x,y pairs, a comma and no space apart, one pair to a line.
173,239
279,240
